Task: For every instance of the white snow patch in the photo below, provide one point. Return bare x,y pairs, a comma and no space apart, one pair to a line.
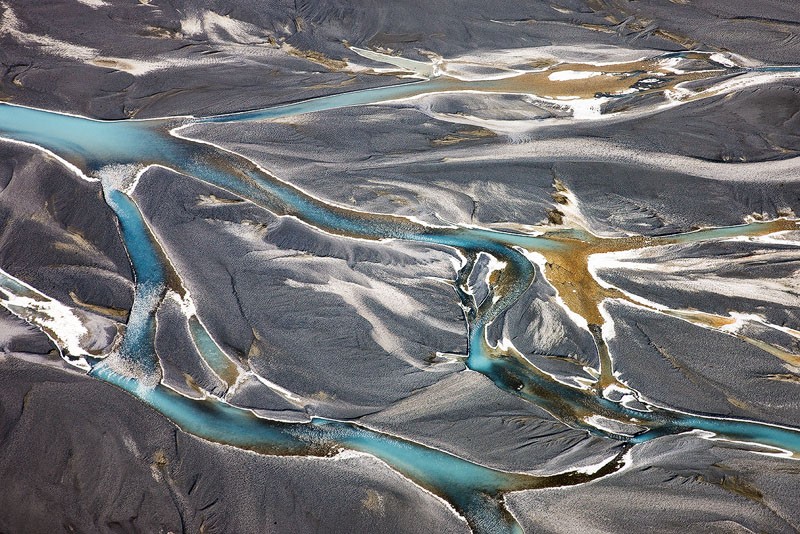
280,390
594,468
565,75
94,4
613,426
587,108
58,321
722,60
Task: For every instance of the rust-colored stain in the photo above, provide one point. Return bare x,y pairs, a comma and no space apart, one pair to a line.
567,269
